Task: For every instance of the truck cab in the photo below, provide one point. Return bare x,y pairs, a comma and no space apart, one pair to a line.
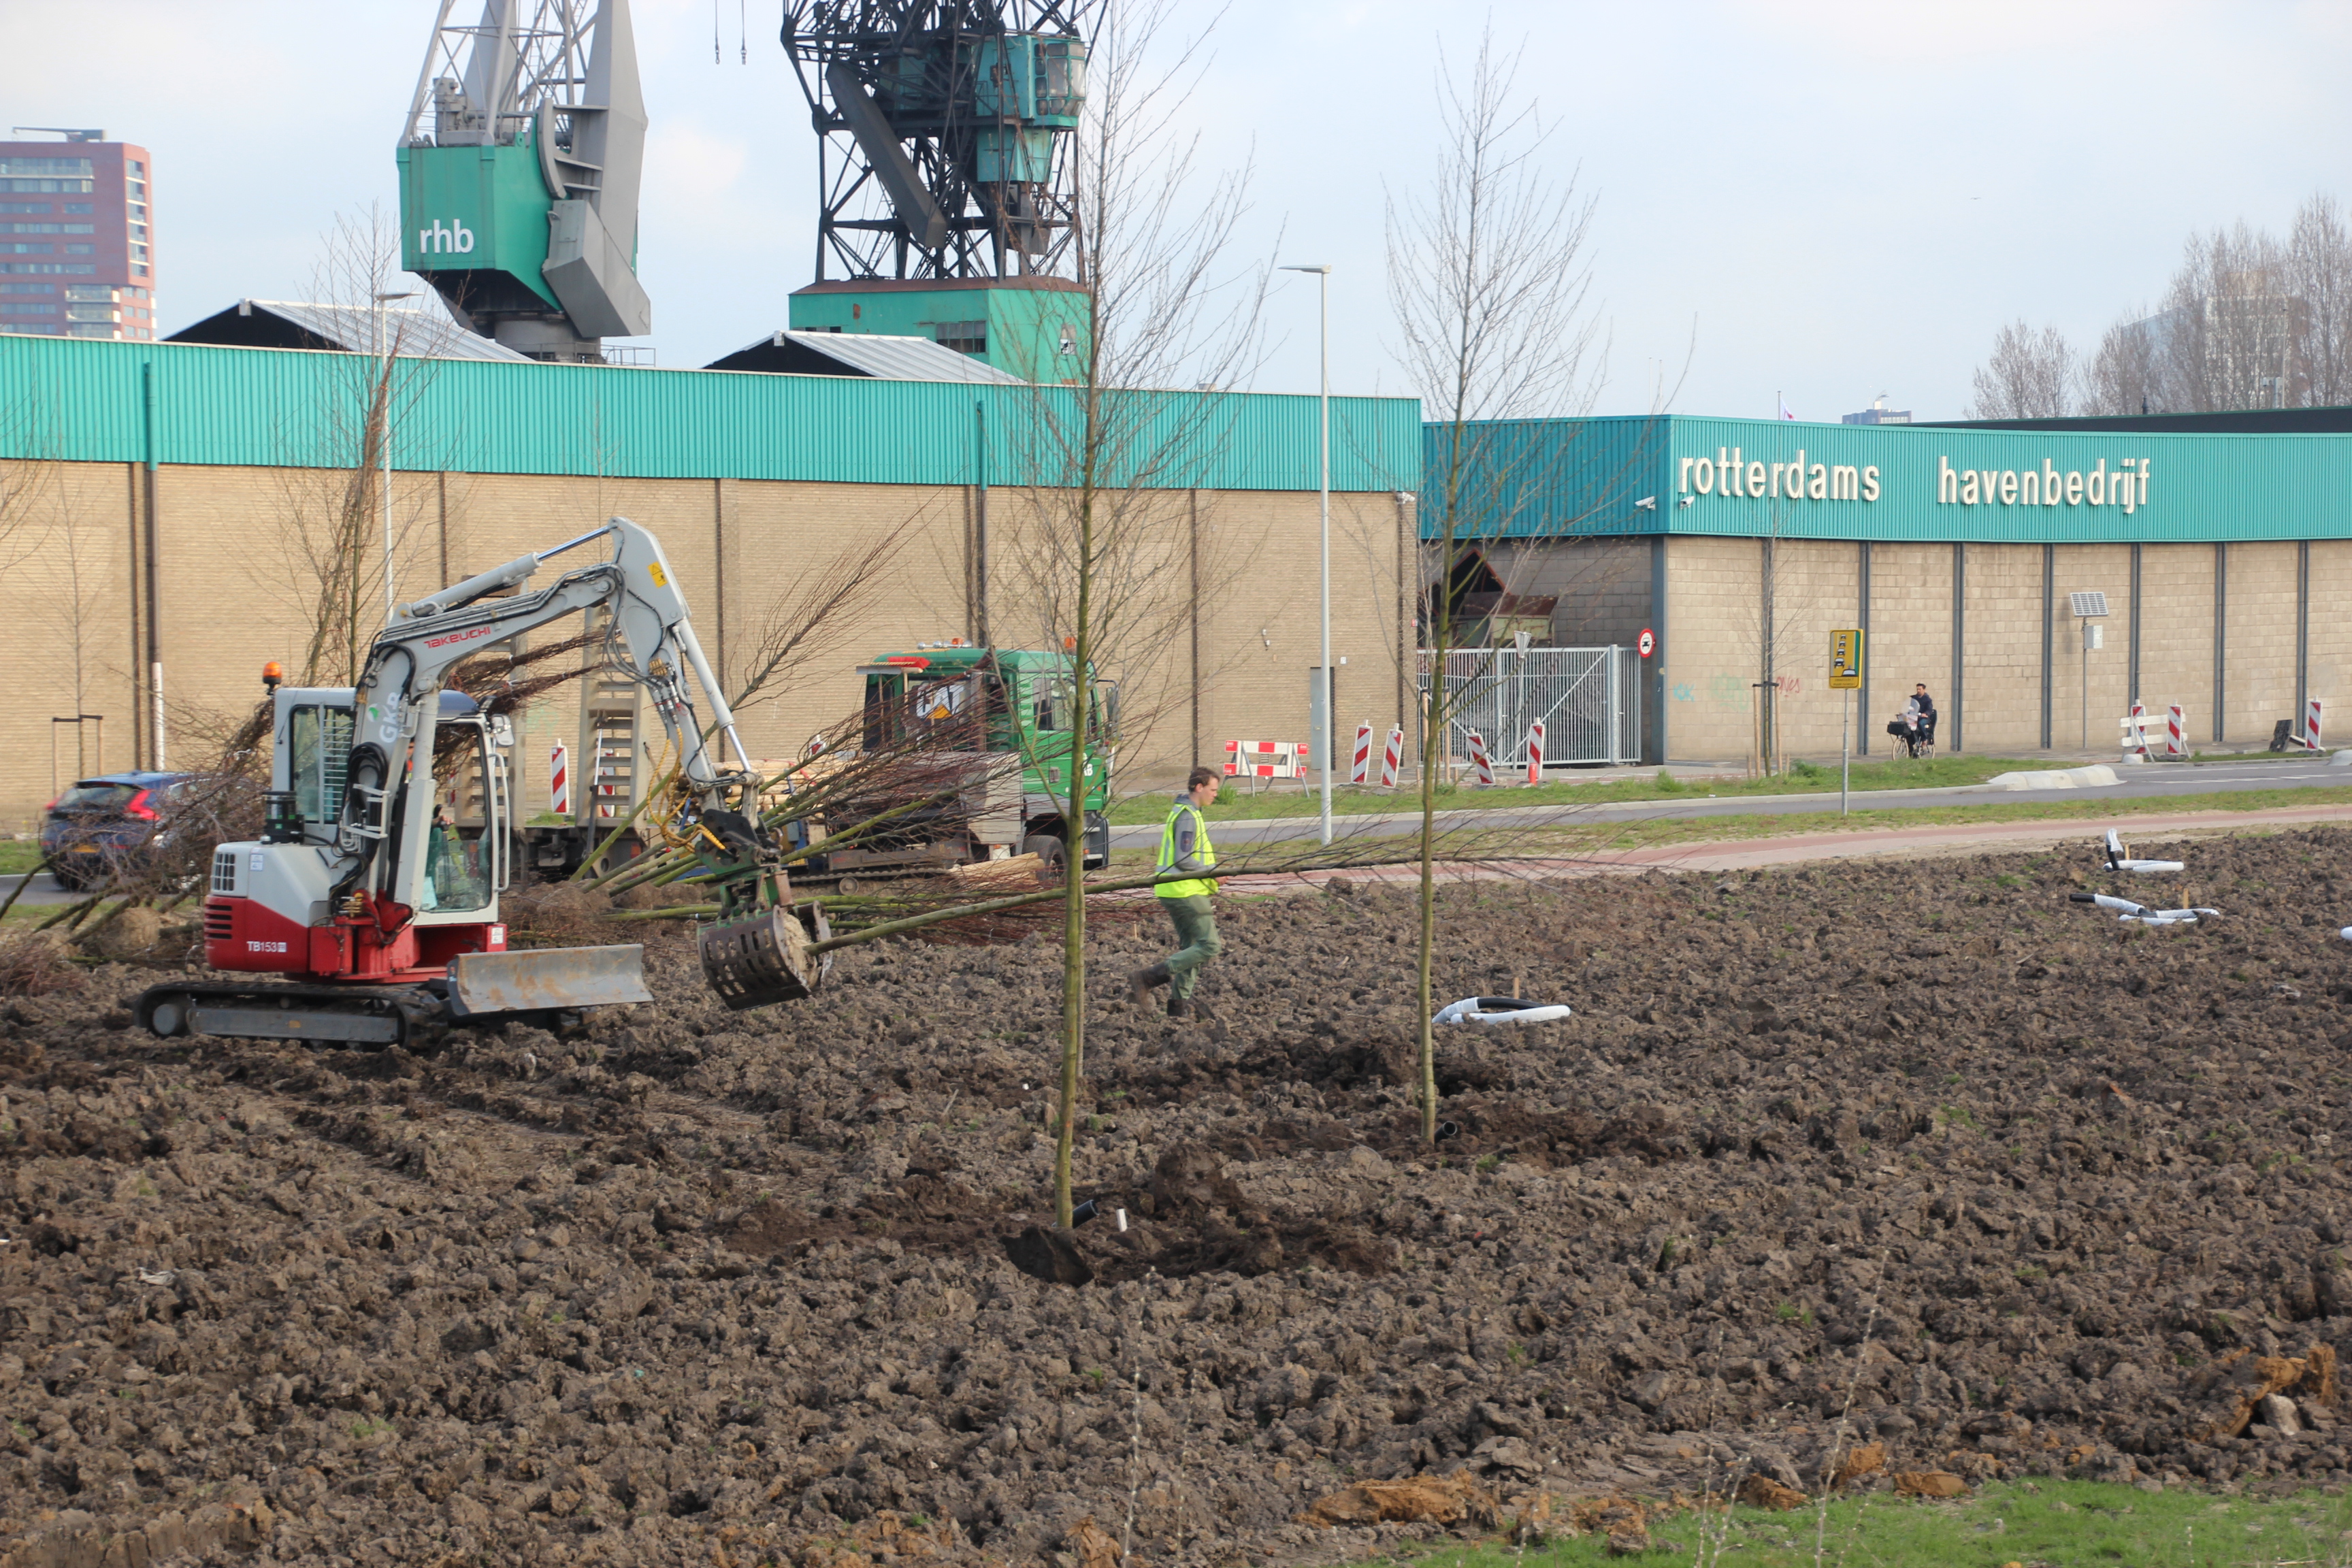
1017,713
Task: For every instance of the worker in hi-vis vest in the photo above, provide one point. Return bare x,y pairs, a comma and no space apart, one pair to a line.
1184,847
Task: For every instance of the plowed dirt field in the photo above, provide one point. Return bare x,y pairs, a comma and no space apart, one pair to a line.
2013,1188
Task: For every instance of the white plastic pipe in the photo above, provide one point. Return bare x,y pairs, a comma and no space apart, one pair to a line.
1501,1010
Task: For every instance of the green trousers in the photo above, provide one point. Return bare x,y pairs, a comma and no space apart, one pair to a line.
1196,928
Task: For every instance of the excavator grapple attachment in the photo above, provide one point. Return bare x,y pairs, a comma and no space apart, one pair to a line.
764,957
547,979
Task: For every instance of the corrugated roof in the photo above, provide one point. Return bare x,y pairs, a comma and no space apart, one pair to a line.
296,325
881,356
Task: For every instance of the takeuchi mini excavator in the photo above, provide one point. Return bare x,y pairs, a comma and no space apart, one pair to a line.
373,893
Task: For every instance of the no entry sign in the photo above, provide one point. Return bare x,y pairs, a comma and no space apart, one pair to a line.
1647,642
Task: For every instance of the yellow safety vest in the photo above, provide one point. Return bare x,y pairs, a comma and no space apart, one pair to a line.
1202,851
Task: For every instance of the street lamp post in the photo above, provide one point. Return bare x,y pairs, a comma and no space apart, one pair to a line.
380,302
1331,717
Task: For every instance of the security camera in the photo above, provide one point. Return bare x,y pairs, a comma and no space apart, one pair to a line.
1688,499
1647,504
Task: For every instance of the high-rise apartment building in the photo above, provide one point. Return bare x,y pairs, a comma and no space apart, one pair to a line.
77,237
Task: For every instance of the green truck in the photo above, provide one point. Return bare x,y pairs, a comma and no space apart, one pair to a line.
1015,711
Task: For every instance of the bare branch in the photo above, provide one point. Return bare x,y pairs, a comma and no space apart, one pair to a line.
2030,375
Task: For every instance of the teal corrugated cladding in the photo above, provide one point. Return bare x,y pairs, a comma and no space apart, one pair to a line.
80,401
1563,478
1542,478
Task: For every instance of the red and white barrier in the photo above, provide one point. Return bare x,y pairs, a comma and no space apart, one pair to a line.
2175,732
1480,760
2135,733
1534,753
1360,769
1266,759
1392,758
2311,725
559,780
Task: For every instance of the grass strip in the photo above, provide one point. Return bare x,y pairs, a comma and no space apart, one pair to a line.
1237,804
2021,1522
1567,836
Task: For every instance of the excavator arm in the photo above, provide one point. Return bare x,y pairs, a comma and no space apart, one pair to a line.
757,952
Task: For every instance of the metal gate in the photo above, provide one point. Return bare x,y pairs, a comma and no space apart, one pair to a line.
1590,700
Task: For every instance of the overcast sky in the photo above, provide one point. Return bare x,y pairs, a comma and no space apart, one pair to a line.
1825,200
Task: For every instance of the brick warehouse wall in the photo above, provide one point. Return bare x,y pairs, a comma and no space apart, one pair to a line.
1715,637
2001,664
1818,588
2176,639
1710,646
1910,634
2329,658
2258,674
1713,593
2078,568
65,540
225,605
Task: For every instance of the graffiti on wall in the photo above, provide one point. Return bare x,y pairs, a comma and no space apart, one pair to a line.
1733,692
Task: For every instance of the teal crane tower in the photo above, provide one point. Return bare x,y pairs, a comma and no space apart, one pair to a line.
946,172
519,165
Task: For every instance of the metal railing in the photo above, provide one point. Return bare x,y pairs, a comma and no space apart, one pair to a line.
1588,699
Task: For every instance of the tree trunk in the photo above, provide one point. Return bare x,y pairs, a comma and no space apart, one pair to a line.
1074,854
1431,729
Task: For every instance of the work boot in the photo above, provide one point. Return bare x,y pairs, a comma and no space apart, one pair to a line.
1140,982
1179,1006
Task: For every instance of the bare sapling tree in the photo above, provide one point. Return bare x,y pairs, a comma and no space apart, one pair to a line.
328,557
1099,562
76,598
2123,376
47,546
2319,277
1488,279
800,630
1781,622
2247,320
2228,327
2030,375
30,483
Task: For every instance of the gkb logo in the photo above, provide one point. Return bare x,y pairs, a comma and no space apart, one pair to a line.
439,239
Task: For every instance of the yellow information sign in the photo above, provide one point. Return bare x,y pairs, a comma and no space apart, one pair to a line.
1846,658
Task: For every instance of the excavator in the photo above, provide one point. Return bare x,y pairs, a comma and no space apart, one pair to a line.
375,915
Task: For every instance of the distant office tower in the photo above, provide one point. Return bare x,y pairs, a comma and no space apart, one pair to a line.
77,238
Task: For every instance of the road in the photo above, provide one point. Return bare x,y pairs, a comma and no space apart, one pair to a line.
44,890
2149,781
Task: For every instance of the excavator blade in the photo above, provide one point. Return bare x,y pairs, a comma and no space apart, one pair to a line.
764,958
548,978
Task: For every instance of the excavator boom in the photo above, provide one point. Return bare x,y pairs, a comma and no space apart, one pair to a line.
363,880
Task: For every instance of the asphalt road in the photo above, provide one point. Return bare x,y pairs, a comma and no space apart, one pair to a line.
2147,780
44,890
